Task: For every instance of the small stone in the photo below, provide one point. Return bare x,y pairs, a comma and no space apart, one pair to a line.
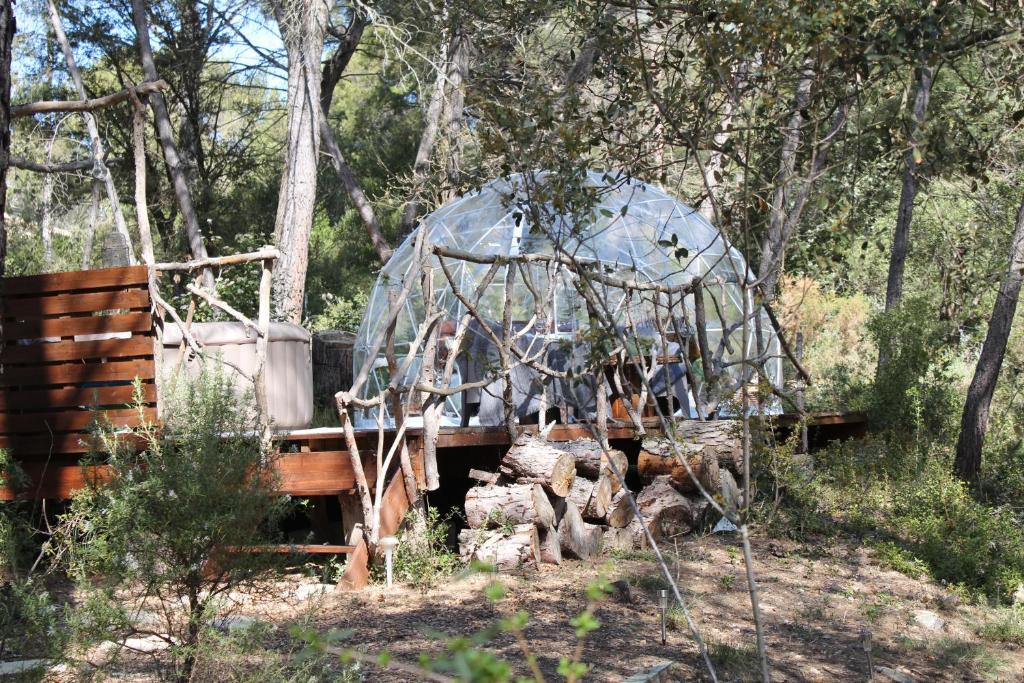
234,622
147,644
21,666
928,619
894,675
311,590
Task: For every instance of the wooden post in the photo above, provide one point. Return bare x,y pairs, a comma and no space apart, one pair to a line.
262,349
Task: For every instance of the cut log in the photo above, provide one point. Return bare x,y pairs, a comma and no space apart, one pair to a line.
591,498
620,511
491,506
549,545
578,538
505,552
592,461
666,512
657,457
720,438
534,459
485,477
629,537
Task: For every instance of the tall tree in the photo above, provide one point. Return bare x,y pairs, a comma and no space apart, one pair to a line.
165,132
96,143
974,423
924,75
303,25
6,41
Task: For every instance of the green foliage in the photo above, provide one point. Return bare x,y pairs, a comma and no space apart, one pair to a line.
422,557
916,395
899,559
737,661
157,532
1005,625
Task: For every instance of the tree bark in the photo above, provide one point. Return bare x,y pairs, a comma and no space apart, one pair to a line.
516,503
592,462
620,511
454,55
974,423
591,498
6,41
923,77
504,552
332,72
302,24
666,512
536,460
165,132
578,538
99,168
549,545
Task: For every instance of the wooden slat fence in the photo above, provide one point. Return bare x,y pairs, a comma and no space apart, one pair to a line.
71,344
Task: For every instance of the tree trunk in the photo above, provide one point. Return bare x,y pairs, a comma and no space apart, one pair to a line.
923,77
45,225
517,503
99,168
666,512
332,72
6,41
453,64
592,462
974,423
773,246
578,539
537,461
165,132
302,25
629,537
504,552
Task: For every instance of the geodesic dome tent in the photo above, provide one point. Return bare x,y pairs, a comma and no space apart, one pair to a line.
509,249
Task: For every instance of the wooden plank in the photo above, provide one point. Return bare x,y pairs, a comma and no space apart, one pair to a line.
357,568
69,327
55,481
76,280
302,549
74,397
22,446
55,352
394,506
320,473
64,304
77,373
71,420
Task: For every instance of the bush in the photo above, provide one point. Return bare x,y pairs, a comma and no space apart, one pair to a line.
156,532
29,621
422,557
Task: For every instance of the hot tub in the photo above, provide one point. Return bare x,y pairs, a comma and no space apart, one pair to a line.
289,369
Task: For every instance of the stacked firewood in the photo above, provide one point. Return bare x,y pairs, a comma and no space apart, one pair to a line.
670,500
547,500
553,500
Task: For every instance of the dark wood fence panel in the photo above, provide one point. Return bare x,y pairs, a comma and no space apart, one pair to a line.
71,346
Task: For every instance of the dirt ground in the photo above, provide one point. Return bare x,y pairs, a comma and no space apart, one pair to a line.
818,601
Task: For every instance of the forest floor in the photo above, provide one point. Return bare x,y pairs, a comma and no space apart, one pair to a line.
818,600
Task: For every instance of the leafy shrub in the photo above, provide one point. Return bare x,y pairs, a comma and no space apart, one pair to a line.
898,559
158,532
422,557
1005,626
961,539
